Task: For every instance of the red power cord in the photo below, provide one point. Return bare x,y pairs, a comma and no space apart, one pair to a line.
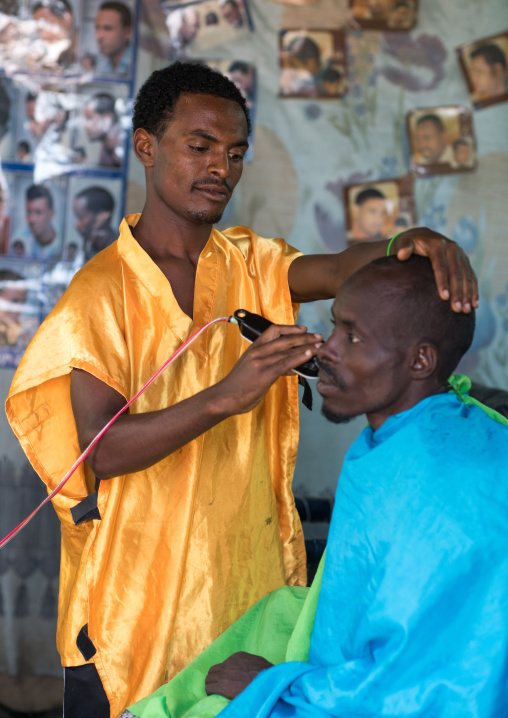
101,433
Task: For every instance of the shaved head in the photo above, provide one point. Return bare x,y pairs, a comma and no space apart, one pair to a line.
413,310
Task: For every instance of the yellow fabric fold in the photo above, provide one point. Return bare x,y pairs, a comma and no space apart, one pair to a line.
187,546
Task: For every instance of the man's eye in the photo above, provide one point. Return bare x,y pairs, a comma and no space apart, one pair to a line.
235,157
198,148
352,338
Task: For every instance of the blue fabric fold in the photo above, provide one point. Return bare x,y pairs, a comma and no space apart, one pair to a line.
412,618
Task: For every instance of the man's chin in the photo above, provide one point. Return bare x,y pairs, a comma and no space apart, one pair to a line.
336,417
205,217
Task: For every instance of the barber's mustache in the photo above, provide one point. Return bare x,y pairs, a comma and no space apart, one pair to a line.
223,184
329,370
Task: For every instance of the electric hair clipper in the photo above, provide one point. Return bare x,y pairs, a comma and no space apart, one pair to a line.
253,325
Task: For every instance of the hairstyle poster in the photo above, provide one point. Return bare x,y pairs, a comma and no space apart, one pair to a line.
201,25
378,210
20,307
243,74
442,140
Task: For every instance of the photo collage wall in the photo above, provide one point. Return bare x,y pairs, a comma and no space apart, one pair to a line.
66,92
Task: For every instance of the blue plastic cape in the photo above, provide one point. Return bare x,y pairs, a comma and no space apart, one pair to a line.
412,618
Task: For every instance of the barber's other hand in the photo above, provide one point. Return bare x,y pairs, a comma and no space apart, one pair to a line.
231,677
276,352
455,278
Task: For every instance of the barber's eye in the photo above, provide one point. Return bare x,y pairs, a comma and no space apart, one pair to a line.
353,339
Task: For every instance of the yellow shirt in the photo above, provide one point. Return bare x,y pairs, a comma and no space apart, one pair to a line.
185,547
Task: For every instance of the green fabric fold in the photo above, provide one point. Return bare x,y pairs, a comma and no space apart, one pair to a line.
278,627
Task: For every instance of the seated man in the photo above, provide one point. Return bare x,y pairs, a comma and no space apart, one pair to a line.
412,616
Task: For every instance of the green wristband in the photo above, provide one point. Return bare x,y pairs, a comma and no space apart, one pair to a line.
391,242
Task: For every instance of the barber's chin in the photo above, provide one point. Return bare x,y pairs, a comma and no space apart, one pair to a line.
205,216
335,416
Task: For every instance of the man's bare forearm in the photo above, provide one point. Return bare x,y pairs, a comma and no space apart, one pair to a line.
331,269
137,441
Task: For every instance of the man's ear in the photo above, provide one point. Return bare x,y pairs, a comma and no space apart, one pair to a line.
424,361
144,144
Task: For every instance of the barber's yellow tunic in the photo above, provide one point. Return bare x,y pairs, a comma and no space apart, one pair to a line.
185,547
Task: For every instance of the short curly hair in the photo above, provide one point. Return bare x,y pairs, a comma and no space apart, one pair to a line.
156,100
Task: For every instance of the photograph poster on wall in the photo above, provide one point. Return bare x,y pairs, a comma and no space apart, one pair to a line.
244,76
442,140
198,26
385,15
312,63
378,210
484,64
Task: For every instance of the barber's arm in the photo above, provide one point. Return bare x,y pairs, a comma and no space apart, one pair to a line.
136,441
314,277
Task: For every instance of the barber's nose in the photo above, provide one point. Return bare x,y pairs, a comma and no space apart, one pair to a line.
219,165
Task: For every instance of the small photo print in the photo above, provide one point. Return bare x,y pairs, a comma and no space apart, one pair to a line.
6,181
313,64
200,25
19,307
9,121
44,129
36,217
40,37
243,75
392,15
442,140
94,213
101,124
106,39
378,210
484,64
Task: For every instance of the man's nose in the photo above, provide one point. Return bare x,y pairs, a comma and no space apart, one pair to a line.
219,165
329,351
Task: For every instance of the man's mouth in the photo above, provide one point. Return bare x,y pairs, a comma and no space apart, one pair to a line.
217,193
328,380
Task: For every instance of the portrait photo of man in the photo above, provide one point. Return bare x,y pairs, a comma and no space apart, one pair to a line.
430,142
312,63
55,45
113,35
232,12
40,237
378,210
488,70
440,138
93,209
102,126
484,64
370,212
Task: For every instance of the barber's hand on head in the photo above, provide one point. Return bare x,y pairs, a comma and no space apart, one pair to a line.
275,353
231,677
455,278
